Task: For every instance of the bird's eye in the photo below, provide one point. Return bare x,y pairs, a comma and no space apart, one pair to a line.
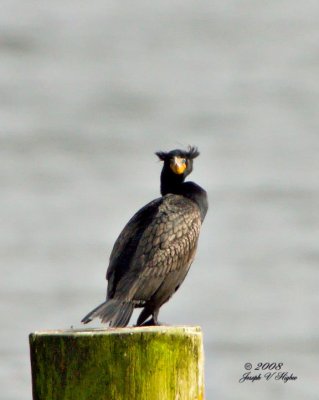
184,161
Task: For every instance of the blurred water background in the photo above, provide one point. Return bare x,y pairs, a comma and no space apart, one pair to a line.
88,92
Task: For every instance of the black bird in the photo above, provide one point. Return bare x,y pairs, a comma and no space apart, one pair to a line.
153,253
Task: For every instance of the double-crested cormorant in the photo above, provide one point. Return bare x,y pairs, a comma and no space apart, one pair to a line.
153,253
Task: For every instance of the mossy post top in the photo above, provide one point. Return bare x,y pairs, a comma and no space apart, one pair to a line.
142,363
162,329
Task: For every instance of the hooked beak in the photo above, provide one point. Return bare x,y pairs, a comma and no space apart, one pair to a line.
178,165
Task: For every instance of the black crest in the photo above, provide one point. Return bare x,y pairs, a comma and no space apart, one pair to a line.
191,153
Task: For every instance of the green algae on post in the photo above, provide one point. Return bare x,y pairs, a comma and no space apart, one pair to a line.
145,363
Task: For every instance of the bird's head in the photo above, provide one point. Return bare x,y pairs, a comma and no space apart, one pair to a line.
178,162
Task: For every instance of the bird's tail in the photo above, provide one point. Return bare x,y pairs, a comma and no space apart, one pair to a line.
116,312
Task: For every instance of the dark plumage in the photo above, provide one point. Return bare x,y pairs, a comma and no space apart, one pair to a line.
153,253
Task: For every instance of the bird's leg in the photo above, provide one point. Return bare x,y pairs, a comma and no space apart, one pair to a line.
155,317
149,322
154,320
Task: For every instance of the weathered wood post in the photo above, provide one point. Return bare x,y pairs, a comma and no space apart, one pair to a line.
146,363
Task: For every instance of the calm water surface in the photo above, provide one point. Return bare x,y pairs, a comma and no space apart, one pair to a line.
88,92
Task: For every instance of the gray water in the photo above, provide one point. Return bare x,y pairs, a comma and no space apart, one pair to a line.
88,92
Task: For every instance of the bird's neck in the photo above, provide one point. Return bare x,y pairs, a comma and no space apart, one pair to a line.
171,183
175,184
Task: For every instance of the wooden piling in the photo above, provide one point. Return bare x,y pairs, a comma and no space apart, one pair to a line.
144,363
